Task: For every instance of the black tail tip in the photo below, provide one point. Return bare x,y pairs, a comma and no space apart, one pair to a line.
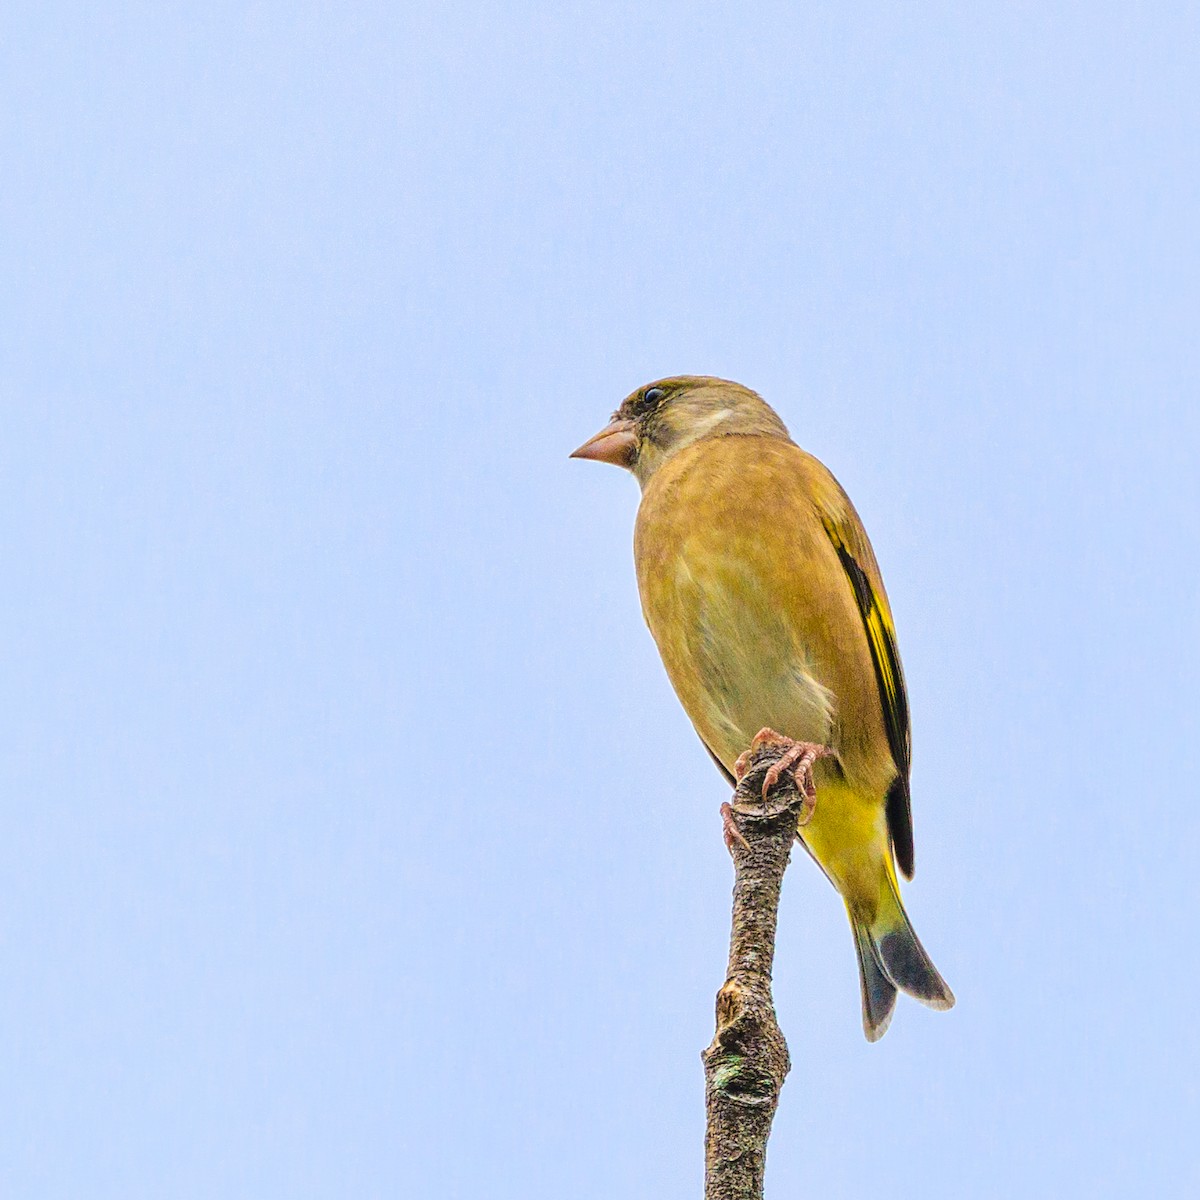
909,968
878,991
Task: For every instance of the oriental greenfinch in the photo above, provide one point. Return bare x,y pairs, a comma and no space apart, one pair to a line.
763,595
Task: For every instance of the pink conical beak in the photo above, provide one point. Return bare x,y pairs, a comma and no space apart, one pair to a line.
615,444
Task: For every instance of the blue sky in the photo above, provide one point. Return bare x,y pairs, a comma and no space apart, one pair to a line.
354,843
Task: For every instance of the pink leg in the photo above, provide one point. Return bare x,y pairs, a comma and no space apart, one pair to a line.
797,758
733,835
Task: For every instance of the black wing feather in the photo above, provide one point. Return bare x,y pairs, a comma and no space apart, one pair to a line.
881,637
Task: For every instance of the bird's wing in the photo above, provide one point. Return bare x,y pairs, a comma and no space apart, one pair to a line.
858,561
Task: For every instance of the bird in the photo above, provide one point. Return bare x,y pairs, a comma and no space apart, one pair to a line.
764,597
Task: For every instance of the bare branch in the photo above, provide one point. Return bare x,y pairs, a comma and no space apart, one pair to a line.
746,1064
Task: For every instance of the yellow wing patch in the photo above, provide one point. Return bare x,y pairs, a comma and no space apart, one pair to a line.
881,637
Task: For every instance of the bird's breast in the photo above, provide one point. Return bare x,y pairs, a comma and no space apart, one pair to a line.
758,625
736,654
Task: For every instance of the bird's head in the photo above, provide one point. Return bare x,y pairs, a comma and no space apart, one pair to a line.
660,419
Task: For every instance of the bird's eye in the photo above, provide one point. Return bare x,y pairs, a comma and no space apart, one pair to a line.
653,395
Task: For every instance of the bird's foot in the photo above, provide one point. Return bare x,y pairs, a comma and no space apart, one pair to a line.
733,835
798,757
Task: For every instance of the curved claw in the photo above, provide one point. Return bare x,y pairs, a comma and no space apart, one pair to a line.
733,835
799,759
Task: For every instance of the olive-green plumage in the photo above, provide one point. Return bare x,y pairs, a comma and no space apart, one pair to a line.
762,592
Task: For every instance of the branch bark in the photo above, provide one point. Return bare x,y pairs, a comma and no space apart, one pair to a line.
747,1062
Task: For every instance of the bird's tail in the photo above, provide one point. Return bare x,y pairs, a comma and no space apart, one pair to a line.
891,957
